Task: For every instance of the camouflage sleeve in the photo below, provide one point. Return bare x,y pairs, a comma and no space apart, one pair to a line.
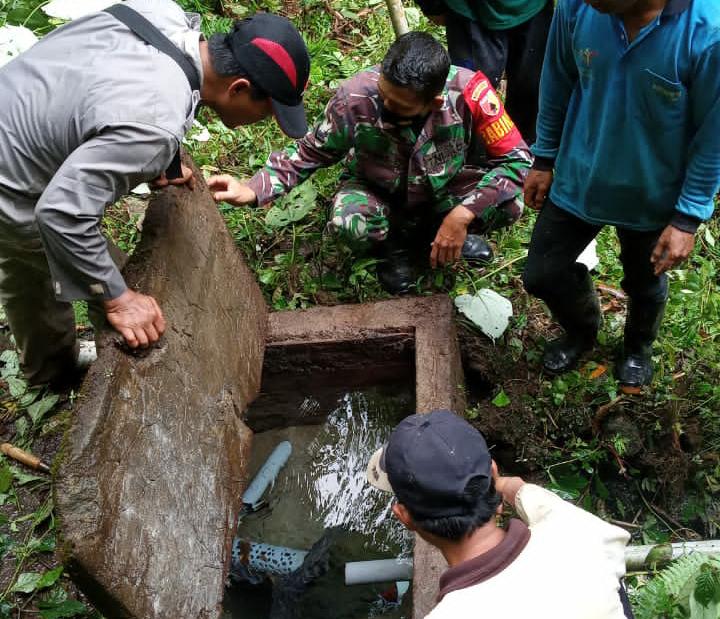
508,156
325,144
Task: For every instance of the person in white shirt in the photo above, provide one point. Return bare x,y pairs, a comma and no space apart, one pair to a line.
556,561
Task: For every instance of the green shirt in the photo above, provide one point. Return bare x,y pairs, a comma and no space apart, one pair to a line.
497,14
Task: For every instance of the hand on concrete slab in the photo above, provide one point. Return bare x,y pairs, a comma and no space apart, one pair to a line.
187,178
672,248
137,317
537,188
226,188
450,237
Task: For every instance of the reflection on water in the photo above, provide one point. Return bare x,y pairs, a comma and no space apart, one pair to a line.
323,485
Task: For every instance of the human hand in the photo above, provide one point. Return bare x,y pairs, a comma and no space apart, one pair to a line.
137,317
507,487
226,188
537,188
187,178
672,248
448,243
438,20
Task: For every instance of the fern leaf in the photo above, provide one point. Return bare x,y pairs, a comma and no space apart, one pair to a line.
707,585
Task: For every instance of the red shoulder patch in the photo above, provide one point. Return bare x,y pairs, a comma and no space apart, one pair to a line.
490,120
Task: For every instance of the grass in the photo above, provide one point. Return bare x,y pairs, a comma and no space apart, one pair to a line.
654,460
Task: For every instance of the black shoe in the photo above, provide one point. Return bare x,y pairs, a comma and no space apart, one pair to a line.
395,272
562,355
477,249
635,371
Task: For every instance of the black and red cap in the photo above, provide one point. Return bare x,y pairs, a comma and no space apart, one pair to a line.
275,58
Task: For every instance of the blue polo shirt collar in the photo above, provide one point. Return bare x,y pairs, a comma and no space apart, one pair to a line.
673,7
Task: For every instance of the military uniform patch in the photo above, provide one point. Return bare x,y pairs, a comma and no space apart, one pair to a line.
479,90
490,104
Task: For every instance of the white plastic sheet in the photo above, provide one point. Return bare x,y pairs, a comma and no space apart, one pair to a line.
589,256
72,9
13,41
488,310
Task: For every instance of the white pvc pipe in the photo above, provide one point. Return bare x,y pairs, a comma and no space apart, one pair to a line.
642,557
636,558
382,570
267,474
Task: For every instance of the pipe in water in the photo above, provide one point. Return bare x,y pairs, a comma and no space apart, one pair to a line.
253,561
382,570
266,475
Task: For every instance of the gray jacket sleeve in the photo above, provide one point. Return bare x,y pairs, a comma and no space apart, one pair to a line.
70,210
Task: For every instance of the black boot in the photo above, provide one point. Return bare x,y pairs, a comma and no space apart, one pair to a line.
635,369
395,271
581,320
477,249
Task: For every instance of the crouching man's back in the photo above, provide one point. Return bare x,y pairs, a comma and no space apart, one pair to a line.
555,561
558,562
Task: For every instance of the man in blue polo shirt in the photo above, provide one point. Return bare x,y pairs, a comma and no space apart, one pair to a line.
627,136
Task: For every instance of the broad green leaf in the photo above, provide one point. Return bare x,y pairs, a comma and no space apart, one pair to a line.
27,582
23,478
28,398
53,597
6,545
10,357
38,410
298,203
49,577
709,237
501,399
68,608
47,544
17,386
21,426
6,477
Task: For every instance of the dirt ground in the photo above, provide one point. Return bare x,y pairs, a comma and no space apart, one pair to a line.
528,437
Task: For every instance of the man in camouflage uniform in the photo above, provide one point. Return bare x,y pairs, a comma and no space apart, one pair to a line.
429,151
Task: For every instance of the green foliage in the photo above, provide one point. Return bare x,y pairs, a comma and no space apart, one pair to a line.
293,208
687,588
297,266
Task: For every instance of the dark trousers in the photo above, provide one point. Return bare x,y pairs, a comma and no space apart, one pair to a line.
552,273
518,52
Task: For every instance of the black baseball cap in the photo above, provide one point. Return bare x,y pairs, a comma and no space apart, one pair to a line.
274,57
428,462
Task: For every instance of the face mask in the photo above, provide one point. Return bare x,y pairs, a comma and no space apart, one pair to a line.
403,121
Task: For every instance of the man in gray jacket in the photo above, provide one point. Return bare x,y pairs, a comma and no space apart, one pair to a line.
86,114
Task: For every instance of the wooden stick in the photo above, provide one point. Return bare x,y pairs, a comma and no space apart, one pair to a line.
397,17
24,457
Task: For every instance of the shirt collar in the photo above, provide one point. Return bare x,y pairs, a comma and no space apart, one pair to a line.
488,564
673,7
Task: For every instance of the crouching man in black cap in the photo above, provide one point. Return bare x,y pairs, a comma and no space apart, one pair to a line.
555,560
